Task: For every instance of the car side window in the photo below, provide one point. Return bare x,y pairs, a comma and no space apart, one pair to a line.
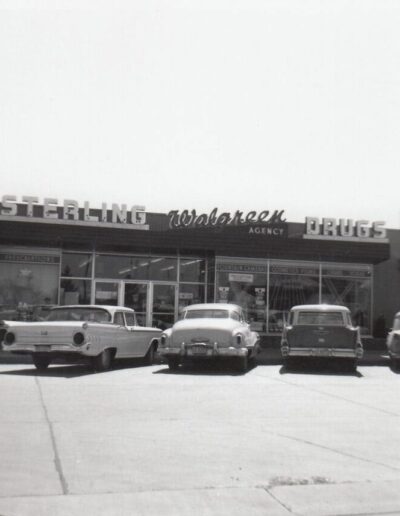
235,315
130,319
119,319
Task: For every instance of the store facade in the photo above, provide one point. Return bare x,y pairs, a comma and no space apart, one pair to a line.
62,253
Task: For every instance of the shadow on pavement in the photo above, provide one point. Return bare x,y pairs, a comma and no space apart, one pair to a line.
73,370
206,368
320,367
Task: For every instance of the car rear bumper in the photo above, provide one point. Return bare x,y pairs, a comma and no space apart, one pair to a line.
201,351
322,352
45,349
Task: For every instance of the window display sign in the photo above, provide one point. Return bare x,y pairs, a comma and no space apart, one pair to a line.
223,294
29,258
70,212
244,278
238,267
294,269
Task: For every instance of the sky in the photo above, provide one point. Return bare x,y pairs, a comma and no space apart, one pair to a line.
241,105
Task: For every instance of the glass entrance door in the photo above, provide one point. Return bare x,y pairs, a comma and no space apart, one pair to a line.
155,304
163,305
136,296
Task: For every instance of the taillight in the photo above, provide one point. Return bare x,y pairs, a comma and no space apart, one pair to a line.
396,343
238,339
79,339
9,338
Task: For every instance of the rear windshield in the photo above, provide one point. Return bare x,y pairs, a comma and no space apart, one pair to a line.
321,318
79,314
211,314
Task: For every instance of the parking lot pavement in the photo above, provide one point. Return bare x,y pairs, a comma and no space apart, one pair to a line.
204,440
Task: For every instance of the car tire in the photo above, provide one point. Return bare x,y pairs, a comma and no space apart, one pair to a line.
395,362
288,362
173,363
41,363
242,364
103,361
149,357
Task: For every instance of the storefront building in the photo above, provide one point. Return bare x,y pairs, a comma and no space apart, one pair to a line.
58,252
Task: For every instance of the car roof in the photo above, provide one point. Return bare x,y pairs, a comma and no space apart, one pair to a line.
109,308
320,308
213,306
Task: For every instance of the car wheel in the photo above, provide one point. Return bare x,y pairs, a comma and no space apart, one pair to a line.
103,361
149,358
288,362
41,363
242,364
395,362
173,363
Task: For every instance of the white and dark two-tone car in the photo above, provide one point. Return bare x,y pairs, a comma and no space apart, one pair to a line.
210,331
321,331
393,342
93,333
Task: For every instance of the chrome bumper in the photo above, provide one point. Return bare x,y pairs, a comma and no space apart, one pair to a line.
28,349
322,352
201,351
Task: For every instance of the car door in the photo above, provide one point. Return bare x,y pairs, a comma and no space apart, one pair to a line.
139,336
122,335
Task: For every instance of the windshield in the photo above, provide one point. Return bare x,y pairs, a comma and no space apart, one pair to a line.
209,314
79,314
321,318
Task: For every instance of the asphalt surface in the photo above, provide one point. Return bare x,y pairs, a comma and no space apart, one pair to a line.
203,441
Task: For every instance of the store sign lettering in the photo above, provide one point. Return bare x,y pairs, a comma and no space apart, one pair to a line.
344,228
190,219
70,210
265,230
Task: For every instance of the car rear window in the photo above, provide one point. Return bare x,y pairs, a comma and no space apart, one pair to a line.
321,318
210,314
79,314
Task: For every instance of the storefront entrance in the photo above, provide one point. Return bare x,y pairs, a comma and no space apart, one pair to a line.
155,303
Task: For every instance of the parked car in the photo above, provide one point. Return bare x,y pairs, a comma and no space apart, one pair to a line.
209,331
393,342
321,331
97,334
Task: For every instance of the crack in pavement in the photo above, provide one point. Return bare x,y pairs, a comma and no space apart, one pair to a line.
335,396
334,450
57,460
280,502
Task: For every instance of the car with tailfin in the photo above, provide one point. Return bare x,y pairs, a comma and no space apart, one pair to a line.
93,333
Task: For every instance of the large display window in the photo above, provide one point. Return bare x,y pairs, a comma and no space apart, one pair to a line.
349,286
28,282
244,284
267,289
290,284
160,268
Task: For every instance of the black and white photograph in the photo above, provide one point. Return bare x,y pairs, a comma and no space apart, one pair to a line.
200,258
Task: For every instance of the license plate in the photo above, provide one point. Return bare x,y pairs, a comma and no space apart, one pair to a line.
42,348
322,352
199,350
